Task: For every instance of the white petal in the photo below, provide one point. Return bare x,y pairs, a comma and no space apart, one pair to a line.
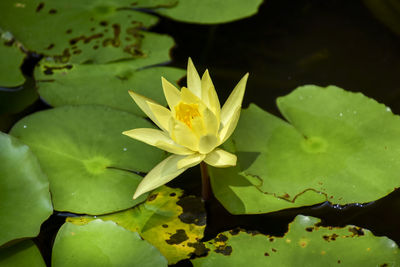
220,158
234,101
158,139
172,94
161,174
193,79
191,160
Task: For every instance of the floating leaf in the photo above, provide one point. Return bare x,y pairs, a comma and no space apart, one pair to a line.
11,61
340,147
22,254
171,222
100,243
105,84
82,31
24,191
90,165
211,11
305,244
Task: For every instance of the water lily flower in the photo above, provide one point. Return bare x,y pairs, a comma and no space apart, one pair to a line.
191,129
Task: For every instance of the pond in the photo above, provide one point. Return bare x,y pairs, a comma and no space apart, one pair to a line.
353,45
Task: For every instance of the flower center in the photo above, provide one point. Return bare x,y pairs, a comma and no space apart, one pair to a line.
187,112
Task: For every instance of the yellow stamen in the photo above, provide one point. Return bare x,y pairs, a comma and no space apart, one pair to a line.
186,112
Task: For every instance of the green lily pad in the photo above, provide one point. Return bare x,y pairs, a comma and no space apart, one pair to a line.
102,243
95,31
338,146
22,254
11,61
305,244
171,222
211,11
90,165
24,191
104,84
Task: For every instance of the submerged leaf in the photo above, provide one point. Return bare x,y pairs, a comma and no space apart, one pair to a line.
102,243
340,147
171,222
305,244
24,191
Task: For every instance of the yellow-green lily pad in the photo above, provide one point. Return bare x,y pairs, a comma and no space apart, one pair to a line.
305,244
336,146
100,243
24,191
170,221
91,166
22,254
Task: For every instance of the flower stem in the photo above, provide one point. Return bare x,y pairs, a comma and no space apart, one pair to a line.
206,192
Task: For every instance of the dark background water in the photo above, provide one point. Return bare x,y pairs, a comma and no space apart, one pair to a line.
287,44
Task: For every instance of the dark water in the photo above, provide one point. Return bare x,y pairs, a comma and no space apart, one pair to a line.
288,44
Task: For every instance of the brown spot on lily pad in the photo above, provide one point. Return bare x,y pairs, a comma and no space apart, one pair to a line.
85,39
193,211
221,238
234,231
199,248
177,238
152,197
39,7
356,231
49,70
331,237
224,250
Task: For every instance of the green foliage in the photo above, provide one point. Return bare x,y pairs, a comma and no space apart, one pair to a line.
22,254
100,243
82,31
338,146
10,63
305,244
211,11
171,222
90,165
104,84
24,191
